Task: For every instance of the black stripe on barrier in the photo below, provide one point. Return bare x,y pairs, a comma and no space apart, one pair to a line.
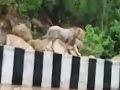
75,72
18,66
1,60
91,74
56,71
38,68
107,75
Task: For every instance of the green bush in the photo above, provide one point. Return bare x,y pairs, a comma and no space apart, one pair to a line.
115,35
24,7
97,43
28,6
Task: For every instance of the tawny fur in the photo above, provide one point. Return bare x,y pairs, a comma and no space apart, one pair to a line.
67,35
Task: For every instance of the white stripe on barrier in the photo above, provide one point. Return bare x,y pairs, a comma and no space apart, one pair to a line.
7,66
115,76
83,74
28,68
99,74
47,69
66,71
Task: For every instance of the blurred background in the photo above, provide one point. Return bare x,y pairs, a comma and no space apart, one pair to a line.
100,19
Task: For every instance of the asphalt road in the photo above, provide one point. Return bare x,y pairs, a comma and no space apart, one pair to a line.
10,87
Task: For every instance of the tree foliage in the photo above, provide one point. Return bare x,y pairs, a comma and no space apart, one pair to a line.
97,43
114,32
103,15
28,6
6,2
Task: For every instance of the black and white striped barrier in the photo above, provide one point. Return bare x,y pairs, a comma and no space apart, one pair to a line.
46,69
